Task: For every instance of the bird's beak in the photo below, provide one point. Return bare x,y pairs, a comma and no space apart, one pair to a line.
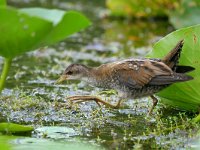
61,79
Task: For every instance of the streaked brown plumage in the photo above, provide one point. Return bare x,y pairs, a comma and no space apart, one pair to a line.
132,78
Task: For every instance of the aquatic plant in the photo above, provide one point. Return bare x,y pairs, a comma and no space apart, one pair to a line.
182,95
28,29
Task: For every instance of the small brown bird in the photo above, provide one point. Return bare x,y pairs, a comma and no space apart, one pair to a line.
131,78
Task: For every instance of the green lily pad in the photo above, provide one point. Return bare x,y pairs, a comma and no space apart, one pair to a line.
23,143
28,29
14,128
184,95
56,132
3,3
4,142
47,144
65,23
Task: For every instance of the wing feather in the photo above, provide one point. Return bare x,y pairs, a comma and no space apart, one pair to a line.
136,74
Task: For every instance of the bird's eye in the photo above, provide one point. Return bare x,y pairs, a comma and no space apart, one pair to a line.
69,72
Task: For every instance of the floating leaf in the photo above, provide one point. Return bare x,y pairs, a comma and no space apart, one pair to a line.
64,23
23,143
28,29
4,142
57,132
46,144
2,2
183,95
12,127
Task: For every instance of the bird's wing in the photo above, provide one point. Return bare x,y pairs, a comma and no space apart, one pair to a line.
136,74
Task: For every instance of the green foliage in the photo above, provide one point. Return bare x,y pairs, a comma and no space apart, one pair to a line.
186,14
56,132
4,142
23,143
2,2
182,13
183,95
28,29
64,23
13,128
142,8
46,144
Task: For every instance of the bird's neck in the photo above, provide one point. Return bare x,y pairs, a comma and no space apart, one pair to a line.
96,76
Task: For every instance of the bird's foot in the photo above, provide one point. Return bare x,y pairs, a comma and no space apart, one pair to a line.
78,99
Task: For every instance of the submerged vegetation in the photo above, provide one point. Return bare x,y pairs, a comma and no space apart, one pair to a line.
103,126
33,110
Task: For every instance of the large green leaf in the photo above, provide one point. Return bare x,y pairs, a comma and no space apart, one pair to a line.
49,144
2,2
4,142
28,29
13,128
64,23
24,143
20,32
183,95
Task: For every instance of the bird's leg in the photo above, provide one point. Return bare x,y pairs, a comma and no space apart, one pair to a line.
155,101
98,100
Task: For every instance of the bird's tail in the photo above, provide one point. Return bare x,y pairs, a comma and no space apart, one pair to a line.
184,69
163,80
172,59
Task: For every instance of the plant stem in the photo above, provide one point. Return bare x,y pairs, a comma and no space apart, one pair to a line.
4,74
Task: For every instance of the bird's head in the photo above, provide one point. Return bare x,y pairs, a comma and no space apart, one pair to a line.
74,72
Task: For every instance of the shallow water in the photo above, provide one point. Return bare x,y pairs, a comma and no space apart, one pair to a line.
31,97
